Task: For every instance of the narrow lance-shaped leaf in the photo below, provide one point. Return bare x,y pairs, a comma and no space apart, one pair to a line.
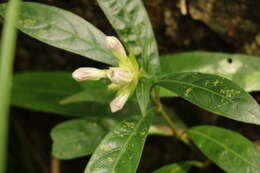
131,22
62,29
121,149
76,138
242,69
54,92
229,150
215,94
143,95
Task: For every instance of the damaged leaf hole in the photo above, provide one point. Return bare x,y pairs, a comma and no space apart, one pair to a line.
229,60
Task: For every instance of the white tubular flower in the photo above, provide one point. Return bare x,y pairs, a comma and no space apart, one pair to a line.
87,73
118,76
124,77
119,102
115,45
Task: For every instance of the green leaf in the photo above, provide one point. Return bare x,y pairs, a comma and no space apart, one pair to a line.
76,138
51,92
143,95
174,168
229,150
80,137
121,149
215,94
62,29
132,24
244,70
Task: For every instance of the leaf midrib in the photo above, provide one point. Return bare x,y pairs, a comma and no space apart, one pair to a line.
54,11
126,143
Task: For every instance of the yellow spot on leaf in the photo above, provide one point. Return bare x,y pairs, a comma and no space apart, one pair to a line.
229,92
26,22
130,124
216,82
105,147
110,159
187,92
206,83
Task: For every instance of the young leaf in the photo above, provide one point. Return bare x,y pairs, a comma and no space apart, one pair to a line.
174,168
215,94
76,138
51,92
244,70
132,24
62,29
143,95
121,149
229,150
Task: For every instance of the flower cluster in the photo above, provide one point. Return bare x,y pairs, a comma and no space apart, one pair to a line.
124,78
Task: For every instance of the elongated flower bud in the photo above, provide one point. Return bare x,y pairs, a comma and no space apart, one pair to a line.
119,102
118,76
115,45
88,73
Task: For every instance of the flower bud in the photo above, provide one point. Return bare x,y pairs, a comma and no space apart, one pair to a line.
87,73
119,102
115,45
118,76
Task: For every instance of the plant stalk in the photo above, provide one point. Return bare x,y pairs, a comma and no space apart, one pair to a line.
55,165
159,107
7,51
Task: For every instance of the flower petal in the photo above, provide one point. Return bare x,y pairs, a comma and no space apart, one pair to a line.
119,102
87,73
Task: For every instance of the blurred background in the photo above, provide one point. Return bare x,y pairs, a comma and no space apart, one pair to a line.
231,26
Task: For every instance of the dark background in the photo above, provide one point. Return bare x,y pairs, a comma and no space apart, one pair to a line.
214,25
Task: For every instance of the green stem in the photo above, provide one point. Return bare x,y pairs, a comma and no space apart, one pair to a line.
159,107
6,66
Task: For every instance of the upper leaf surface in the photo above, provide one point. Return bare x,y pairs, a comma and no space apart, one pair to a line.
229,150
132,24
143,95
62,29
76,138
215,94
121,149
244,70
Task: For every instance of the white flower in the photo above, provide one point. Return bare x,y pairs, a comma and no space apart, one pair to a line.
119,102
124,78
87,73
116,47
118,76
